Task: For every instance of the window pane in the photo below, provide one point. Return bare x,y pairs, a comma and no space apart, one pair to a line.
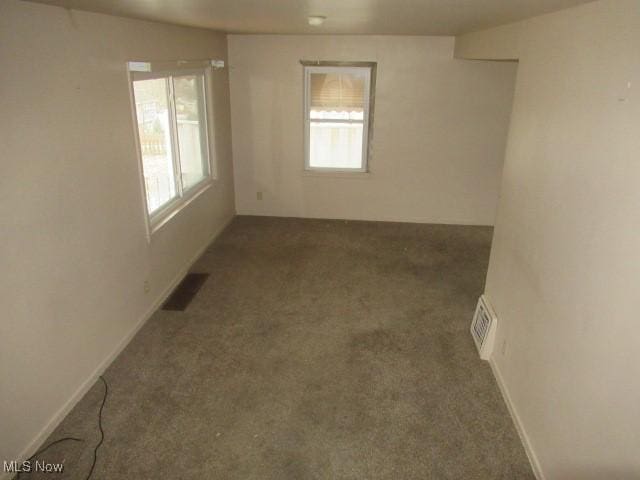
152,113
338,96
194,164
335,145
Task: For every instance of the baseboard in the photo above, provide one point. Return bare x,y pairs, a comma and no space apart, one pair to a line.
524,438
88,383
434,221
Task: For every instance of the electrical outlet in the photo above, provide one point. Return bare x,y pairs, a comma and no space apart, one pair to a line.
146,286
259,195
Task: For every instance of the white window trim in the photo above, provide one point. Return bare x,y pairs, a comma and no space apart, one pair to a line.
156,220
308,70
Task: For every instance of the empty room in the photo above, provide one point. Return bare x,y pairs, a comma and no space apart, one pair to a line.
301,239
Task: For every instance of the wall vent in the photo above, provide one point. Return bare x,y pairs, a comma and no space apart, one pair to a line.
483,327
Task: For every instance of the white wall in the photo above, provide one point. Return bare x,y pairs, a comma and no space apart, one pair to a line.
564,275
73,250
499,43
439,130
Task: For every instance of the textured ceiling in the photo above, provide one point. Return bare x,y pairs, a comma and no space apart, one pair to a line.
401,17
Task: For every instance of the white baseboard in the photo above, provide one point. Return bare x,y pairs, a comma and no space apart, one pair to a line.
368,218
524,438
84,387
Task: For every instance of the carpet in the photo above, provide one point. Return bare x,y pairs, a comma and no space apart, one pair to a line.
316,349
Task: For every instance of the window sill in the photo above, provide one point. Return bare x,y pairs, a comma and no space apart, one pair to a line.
337,174
179,205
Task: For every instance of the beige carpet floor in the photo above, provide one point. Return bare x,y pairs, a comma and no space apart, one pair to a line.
315,350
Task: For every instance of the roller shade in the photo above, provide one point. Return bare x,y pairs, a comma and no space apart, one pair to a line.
337,91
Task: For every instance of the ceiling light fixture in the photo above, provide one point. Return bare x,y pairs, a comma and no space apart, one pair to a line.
316,20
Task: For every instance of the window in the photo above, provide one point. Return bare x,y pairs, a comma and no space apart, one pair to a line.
171,117
337,116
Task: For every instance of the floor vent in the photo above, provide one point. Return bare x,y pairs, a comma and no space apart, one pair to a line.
483,328
181,297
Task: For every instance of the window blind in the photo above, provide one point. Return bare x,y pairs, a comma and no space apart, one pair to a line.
336,91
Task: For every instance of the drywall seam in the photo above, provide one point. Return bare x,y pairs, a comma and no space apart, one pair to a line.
524,438
30,449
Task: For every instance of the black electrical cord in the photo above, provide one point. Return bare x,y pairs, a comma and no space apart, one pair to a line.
44,449
60,440
95,450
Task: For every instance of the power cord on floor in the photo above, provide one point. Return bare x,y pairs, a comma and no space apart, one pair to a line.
44,449
74,439
95,450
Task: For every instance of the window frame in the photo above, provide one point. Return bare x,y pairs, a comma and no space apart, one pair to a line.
159,217
340,67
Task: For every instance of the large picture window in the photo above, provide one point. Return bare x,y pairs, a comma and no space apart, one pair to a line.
337,114
171,117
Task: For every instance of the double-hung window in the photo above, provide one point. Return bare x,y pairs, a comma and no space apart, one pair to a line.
172,133
337,116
